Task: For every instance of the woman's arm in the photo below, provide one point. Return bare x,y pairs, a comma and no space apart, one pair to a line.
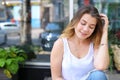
101,59
56,60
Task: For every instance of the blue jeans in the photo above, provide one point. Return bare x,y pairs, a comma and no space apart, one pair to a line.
97,75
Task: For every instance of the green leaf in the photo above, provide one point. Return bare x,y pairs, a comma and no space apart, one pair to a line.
20,59
13,68
24,55
3,53
12,54
9,61
7,73
2,62
19,51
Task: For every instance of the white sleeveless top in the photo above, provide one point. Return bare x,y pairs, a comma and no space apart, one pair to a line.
74,68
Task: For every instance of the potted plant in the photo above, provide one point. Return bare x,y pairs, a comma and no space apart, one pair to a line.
10,58
114,49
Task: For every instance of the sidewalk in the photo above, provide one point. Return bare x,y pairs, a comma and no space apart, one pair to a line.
113,75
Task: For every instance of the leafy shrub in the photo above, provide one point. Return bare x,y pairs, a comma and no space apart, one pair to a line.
10,58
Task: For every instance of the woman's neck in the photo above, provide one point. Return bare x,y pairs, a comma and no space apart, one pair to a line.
79,41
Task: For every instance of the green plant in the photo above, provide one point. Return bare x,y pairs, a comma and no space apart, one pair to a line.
114,34
10,58
114,39
30,50
111,66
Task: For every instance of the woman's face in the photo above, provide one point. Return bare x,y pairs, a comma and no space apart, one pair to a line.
86,26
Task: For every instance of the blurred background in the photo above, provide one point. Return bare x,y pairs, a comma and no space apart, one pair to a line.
30,15
36,25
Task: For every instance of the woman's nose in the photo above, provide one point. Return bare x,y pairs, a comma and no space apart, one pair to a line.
86,28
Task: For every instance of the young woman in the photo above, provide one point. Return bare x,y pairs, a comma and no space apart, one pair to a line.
81,52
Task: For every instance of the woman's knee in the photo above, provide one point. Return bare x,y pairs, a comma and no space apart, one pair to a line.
97,75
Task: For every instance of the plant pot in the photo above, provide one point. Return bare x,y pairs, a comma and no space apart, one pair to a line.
116,52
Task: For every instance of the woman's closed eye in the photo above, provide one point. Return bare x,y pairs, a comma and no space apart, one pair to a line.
91,27
83,23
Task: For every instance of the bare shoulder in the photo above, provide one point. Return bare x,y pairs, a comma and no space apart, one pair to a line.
58,42
57,47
